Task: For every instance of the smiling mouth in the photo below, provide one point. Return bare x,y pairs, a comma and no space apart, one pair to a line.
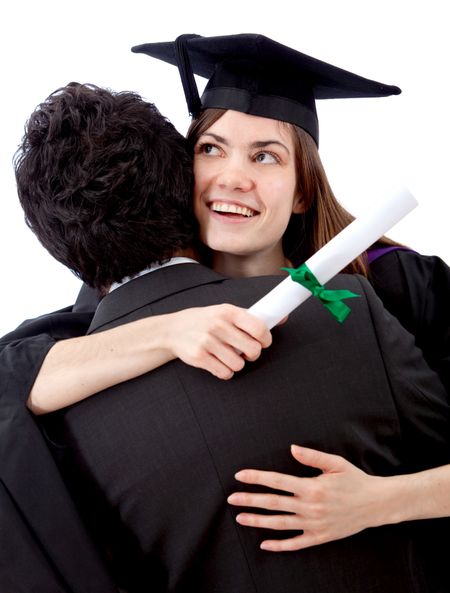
232,210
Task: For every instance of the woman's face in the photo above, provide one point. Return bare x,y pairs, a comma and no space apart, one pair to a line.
245,185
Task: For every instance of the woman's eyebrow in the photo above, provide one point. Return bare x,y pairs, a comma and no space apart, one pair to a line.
264,143
257,144
216,137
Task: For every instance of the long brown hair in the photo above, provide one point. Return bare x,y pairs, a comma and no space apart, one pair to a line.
323,216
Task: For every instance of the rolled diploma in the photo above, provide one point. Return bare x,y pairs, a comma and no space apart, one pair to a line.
358,236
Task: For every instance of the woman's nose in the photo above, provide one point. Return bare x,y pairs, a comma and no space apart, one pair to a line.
235,176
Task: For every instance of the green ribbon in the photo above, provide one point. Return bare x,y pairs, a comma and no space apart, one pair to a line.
331,299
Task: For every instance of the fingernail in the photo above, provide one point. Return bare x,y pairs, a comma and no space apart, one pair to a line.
238,475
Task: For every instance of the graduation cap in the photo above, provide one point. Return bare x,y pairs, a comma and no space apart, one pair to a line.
256,75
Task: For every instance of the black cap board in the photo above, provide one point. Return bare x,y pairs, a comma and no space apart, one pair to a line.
254,74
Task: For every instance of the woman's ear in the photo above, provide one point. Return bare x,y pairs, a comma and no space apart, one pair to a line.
298,207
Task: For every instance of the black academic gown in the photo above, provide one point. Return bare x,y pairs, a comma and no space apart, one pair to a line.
44,545
399,280
416,289
152,460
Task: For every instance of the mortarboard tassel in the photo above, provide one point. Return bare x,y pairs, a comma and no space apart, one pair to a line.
187,76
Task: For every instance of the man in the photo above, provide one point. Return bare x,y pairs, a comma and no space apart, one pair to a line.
150,462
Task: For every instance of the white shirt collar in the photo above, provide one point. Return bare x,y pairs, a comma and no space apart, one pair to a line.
171,262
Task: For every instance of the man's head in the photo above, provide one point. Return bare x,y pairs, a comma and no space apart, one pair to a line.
105,182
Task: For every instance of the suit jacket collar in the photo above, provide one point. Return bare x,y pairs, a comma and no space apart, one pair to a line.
150,288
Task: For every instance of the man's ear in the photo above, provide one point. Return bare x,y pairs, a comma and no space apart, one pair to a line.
298,206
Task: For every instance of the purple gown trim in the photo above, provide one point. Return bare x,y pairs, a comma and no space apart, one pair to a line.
373,254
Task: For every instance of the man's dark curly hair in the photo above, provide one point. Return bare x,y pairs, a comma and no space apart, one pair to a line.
105,182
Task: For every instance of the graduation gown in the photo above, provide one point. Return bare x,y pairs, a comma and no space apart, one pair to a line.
399,279
416,289
157,455
44,545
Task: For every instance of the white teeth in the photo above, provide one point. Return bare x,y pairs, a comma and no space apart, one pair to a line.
233,208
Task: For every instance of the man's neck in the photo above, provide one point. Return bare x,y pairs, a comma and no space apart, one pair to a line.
188,252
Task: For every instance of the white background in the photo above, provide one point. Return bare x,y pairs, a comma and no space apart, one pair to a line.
369,147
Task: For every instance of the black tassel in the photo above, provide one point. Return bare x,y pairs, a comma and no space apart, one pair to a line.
186,74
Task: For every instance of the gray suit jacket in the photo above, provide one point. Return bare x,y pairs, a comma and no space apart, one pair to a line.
152,461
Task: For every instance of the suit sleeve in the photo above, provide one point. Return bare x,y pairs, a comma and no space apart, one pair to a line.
44,545
421,400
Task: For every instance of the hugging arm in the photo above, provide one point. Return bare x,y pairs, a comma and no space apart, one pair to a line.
218,339
23,350
339,502
344,500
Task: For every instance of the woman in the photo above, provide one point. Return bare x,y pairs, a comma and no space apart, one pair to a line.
343,499
227,146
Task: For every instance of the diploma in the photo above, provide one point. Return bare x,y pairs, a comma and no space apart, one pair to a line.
358,236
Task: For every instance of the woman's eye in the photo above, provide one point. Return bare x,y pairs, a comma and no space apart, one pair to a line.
208,149
267,158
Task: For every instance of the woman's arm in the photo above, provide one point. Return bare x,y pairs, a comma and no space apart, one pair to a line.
341,501
217,339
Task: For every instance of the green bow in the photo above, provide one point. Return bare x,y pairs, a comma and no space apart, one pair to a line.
331,299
